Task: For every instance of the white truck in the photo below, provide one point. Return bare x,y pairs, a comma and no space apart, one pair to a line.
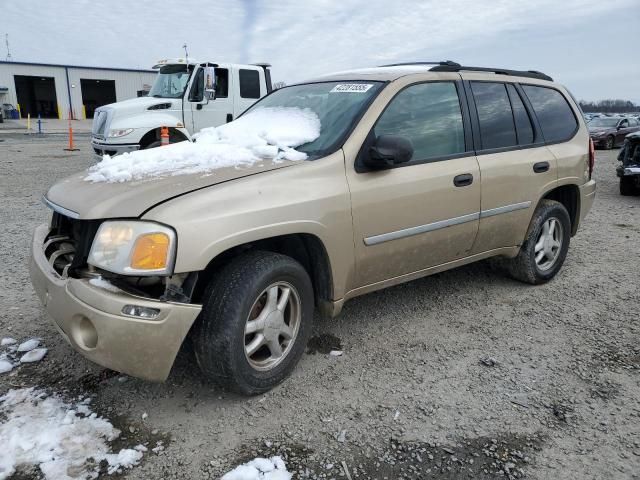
183,99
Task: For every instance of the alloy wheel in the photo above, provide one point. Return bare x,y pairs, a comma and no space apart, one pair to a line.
272,326
549,244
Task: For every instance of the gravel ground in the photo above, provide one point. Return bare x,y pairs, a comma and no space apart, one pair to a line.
465,374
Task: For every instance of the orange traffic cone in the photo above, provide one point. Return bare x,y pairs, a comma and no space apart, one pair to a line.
71,147
164,136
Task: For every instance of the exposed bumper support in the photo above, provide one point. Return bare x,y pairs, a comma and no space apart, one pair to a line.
90,318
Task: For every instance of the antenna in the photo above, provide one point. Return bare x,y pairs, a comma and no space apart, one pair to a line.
186,54
6,41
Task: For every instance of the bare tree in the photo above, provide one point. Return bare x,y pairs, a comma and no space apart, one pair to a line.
609,106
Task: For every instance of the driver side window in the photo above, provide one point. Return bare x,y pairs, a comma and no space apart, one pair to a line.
197,87
624,123
428,115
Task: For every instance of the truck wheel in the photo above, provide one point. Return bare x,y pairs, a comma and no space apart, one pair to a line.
153,145
544,249
611,142
628,186
255,322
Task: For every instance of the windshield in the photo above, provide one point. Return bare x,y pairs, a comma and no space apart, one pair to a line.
604,122
338,105
170,82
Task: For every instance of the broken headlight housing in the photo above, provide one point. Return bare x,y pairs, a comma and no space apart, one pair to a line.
134,248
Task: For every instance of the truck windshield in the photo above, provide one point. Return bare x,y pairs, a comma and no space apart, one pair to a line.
171,82
338,105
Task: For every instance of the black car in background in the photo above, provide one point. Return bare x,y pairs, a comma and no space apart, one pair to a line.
609,132
629,168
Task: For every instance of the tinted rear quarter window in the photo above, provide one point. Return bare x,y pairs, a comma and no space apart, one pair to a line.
521,117
249,84
555,116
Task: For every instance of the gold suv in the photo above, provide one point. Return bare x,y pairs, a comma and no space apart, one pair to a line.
418,168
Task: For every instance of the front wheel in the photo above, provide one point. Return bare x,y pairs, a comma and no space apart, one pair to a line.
255,322
545,248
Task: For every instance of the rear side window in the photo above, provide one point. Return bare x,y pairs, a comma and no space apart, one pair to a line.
497,128
524,129
222,83
249,84
554,113
427,114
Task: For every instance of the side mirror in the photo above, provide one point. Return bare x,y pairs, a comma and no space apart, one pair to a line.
389,150
209,79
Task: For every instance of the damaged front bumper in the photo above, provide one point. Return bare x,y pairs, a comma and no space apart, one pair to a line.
90,319
629,157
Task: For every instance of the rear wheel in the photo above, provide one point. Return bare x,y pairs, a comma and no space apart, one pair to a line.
628,186
610,142
255,322
543,252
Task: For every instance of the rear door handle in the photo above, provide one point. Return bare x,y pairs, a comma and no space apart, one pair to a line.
463,180
541,167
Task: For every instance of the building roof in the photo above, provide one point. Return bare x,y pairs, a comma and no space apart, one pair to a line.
84,67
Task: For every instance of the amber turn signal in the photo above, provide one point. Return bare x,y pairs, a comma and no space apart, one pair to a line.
150,251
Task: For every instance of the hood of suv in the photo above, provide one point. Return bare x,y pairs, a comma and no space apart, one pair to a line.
89,200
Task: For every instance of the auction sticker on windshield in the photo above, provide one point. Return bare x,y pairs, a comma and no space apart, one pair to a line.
352,87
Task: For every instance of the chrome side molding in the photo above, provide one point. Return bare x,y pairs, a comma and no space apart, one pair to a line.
430,227
506,209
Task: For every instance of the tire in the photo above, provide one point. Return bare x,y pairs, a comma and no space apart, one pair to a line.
243,290
628,186
157,143
610,143
524,267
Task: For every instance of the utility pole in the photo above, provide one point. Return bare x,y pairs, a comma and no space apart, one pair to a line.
6,41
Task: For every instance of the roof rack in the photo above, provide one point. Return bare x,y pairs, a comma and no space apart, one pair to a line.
448,63
442,67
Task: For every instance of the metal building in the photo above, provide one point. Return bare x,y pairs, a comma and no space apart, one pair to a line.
67,91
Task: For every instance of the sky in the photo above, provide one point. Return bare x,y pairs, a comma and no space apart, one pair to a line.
591,46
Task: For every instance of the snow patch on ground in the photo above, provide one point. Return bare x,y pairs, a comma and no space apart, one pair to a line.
8,341
104,284
265,133
34,355
28,345
5,365
66,441
272,468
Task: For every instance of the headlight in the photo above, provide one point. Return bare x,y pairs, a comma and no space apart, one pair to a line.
134,248
120,133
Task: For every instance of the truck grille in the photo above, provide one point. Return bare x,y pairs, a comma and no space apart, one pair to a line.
68,243
98,128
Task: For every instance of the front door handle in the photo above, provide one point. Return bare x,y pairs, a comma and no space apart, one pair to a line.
463,180
541,167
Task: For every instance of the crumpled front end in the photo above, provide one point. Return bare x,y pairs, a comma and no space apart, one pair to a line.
99,320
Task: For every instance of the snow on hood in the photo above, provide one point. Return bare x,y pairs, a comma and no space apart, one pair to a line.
265,133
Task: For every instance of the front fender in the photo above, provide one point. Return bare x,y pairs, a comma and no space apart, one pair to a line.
309,198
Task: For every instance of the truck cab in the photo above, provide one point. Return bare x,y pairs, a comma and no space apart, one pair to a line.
180,100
